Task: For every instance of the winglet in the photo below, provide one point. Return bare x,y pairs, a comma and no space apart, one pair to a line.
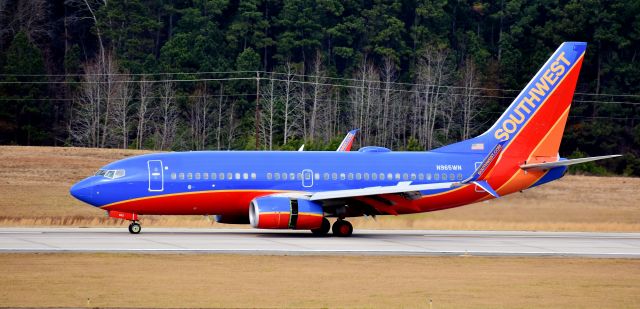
301,148
347,141
486,187
487,164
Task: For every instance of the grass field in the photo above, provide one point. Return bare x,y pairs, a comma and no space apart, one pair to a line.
245,281
35,181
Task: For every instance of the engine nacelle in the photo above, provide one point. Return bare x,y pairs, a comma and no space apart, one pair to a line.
272,212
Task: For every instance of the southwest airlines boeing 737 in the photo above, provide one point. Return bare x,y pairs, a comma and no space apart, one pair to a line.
301,189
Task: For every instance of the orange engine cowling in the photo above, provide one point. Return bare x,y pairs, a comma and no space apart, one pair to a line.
273,212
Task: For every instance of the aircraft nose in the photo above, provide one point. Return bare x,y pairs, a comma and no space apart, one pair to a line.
83,190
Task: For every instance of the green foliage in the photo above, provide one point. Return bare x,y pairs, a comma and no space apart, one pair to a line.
23,113
507,39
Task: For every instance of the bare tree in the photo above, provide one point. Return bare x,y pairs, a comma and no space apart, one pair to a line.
167,116
267,125
121,108
199,118
469,97
290,105
432,75
85,124
145,90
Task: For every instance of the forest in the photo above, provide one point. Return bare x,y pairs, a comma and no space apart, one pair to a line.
273,75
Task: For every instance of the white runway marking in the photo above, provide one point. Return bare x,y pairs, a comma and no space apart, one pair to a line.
363,242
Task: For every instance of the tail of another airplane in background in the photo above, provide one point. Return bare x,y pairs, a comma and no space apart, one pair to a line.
534,123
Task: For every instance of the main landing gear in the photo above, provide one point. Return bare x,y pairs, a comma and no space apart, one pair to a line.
341,228
135,227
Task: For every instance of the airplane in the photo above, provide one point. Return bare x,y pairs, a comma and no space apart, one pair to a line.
301,189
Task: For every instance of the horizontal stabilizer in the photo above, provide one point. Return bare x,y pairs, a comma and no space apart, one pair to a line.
549,165
486,187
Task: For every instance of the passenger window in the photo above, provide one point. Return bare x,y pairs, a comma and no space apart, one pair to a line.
358,176
459,176
197,175
230,176
284,176
190,176
444,176
292,176
413,176
325,176
428,176
452,177
436,177
381,176
307,176
221,176
316,176
405,176
205,175
350,176
253,176
276,176
389,176
334,176
421,176
237,176
181,176
397,176
173,176
245,176
374,176
269,176
366,176
343,176
213,176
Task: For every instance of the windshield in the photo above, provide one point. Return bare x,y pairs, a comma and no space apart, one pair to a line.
112,174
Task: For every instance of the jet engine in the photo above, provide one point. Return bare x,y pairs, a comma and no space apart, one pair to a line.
275,212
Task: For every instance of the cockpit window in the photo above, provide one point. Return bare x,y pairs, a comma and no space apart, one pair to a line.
118,173
112,174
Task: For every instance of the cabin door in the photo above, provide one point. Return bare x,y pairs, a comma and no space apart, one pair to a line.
156,175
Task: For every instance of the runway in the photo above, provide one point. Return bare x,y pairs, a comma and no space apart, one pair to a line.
363,242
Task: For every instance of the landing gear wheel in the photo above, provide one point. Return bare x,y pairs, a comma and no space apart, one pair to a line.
135,228
323,229
342,228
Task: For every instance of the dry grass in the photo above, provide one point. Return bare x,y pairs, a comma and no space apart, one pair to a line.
168,280
34,184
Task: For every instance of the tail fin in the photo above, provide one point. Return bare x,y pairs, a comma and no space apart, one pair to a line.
534,123
347,141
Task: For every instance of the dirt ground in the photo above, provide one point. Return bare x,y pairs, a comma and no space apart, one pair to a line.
35,182
245,281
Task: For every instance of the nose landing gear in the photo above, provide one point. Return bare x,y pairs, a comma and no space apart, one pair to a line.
135,227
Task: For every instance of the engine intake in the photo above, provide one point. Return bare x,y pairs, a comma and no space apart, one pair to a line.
273,212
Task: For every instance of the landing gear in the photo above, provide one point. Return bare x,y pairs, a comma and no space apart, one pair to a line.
342,228
135,227
323,229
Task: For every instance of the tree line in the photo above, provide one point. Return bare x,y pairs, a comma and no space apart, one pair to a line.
221,74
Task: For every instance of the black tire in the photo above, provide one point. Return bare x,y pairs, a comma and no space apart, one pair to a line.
323,229
135,228
342,228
